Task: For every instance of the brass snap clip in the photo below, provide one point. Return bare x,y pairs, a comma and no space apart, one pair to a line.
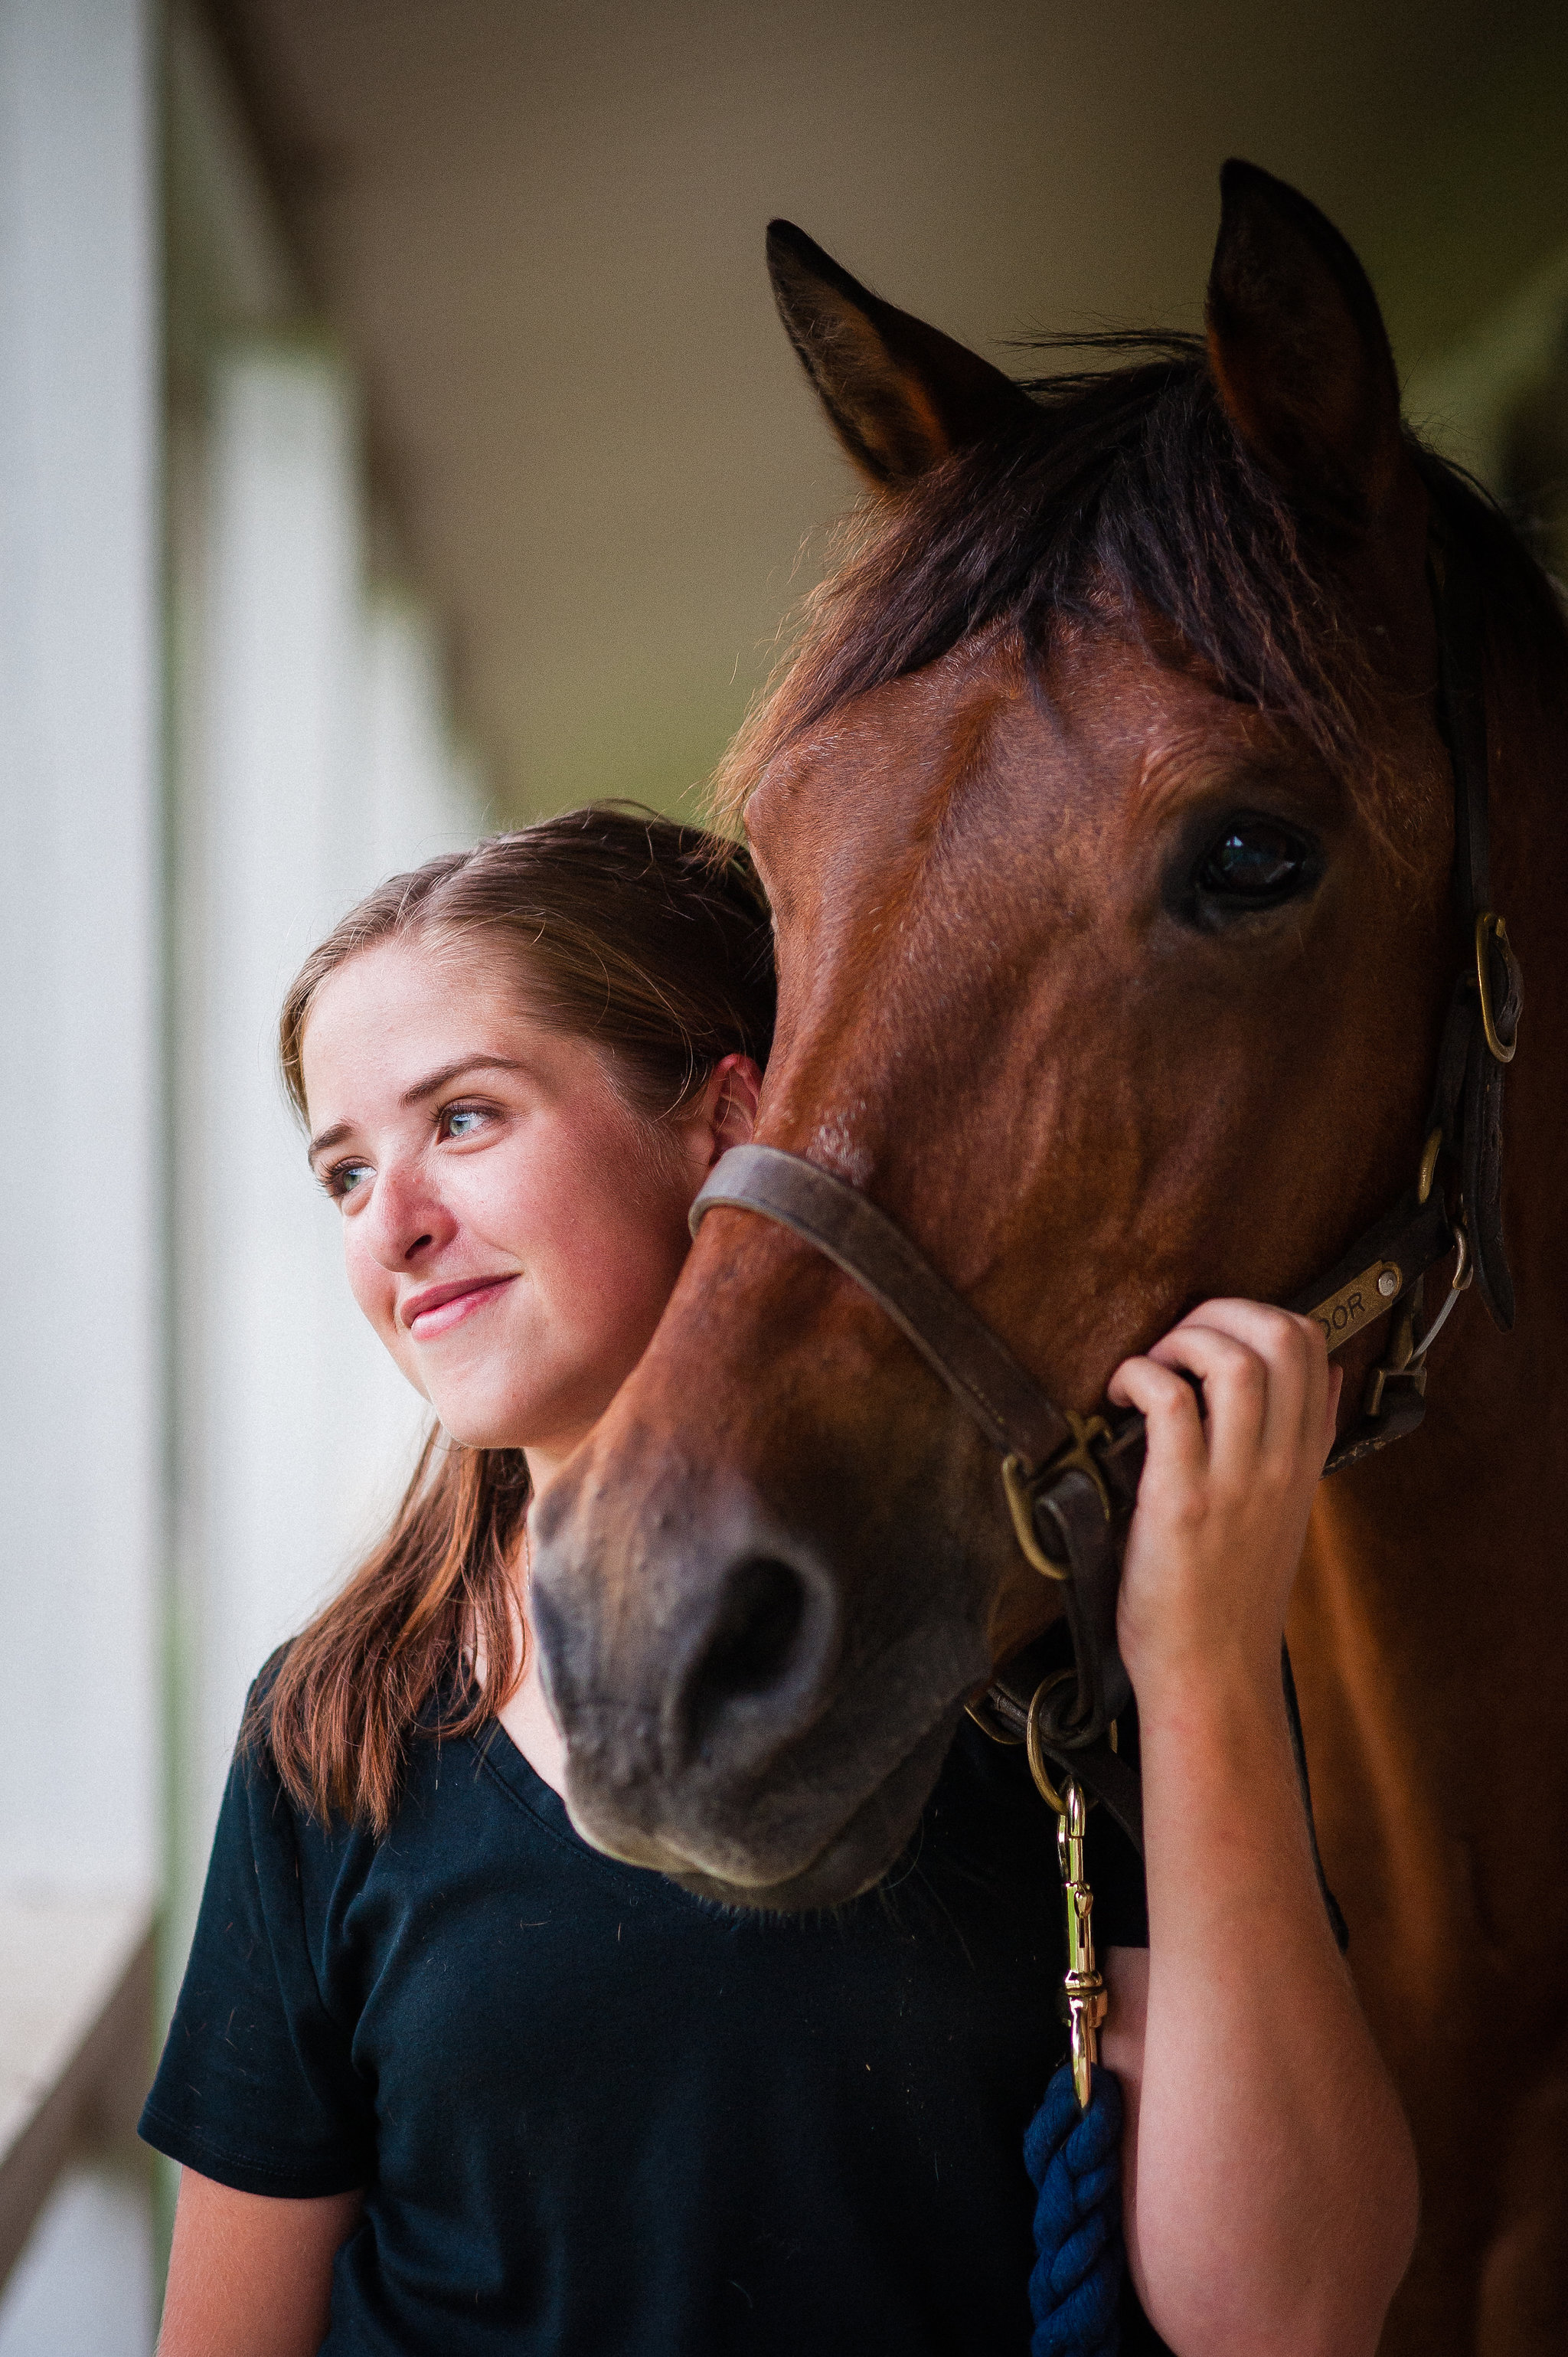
1083,1987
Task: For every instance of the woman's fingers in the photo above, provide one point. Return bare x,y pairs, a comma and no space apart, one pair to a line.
1169,1407
1267,1419
1331,1405
1225,1495
1265,1377
1235,1382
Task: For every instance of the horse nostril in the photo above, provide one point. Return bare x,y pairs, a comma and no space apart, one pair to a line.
753,1643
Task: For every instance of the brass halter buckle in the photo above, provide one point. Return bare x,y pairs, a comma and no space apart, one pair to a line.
1023,1487
1404,1359
1490,927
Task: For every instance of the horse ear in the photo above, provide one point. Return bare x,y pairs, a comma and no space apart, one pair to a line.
902,396
1299,350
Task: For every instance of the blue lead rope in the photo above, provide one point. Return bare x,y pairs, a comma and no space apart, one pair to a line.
1074,2160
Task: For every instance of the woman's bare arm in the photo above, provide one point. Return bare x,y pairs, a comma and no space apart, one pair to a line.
251,2275
1270,2180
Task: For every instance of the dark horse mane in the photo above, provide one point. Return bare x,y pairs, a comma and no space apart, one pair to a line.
1129,498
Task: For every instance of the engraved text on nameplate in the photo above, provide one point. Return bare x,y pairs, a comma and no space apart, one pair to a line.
1357,1304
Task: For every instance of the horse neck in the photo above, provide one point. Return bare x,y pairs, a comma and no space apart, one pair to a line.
1529,815
1470,1508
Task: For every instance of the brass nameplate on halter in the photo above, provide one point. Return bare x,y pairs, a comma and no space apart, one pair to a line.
1357,1304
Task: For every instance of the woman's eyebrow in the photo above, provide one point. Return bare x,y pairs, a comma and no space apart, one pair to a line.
333,1136
416,1094
448,1072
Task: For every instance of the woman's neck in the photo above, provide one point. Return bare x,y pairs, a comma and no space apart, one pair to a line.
545,1458
525,1714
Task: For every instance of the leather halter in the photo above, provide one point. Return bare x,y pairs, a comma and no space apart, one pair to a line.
1072,1481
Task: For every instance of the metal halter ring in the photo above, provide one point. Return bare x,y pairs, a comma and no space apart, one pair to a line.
1463,1270
1021,1506
1020,1485
1487,924
1037,1768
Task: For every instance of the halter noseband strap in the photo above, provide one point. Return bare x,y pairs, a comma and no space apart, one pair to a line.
975,1364
1072,1481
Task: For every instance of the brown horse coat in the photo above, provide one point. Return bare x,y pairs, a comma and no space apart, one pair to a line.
1108,827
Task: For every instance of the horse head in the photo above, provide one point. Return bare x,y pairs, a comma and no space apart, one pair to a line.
1107,823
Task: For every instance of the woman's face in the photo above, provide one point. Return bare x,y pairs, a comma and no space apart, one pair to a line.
511,1231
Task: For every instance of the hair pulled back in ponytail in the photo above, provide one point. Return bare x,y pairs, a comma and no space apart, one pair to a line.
652,941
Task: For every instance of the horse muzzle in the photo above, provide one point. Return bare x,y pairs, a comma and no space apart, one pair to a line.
728,1722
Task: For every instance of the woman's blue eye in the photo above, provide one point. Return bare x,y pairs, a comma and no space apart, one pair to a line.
454,1117
345,1176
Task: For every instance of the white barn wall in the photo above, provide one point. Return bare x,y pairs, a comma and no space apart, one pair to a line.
258,1433
424,797
319,750
83,2286
80,944
81,1378
270,828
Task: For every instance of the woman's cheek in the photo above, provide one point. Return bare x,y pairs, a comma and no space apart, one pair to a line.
375,1293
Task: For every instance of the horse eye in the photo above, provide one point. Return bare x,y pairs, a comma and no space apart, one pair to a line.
1256,864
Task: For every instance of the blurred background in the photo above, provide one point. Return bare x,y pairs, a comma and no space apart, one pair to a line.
397,442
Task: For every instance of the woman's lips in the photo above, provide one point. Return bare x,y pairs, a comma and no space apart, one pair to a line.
436,1312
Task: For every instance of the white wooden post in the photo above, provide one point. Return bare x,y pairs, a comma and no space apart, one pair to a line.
319,763
81,1434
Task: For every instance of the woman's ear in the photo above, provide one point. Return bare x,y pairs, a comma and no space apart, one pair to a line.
729,1104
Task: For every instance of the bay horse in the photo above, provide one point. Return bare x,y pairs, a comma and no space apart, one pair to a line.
1109,828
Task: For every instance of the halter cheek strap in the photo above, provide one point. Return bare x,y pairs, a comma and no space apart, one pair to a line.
1072,1481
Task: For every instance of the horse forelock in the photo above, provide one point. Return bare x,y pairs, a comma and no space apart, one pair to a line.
1127,500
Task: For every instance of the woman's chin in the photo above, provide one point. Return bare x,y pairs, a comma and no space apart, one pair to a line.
475,1415
470,1423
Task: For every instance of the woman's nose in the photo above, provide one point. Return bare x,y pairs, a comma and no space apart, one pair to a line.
406,1219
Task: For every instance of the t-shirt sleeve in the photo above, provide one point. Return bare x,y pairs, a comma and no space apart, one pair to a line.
257,2086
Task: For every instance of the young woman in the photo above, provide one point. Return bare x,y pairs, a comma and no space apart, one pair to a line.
444,2079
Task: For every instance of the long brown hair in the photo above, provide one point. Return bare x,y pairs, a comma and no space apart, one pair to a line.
652,941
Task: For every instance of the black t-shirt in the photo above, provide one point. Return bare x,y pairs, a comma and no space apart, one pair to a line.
594,2115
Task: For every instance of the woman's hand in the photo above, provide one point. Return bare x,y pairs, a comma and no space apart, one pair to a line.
1222,1507
1263,2131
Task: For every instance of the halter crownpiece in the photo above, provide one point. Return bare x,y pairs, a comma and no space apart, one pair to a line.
1071,1482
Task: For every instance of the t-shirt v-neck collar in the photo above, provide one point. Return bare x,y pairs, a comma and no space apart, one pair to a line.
499,1757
